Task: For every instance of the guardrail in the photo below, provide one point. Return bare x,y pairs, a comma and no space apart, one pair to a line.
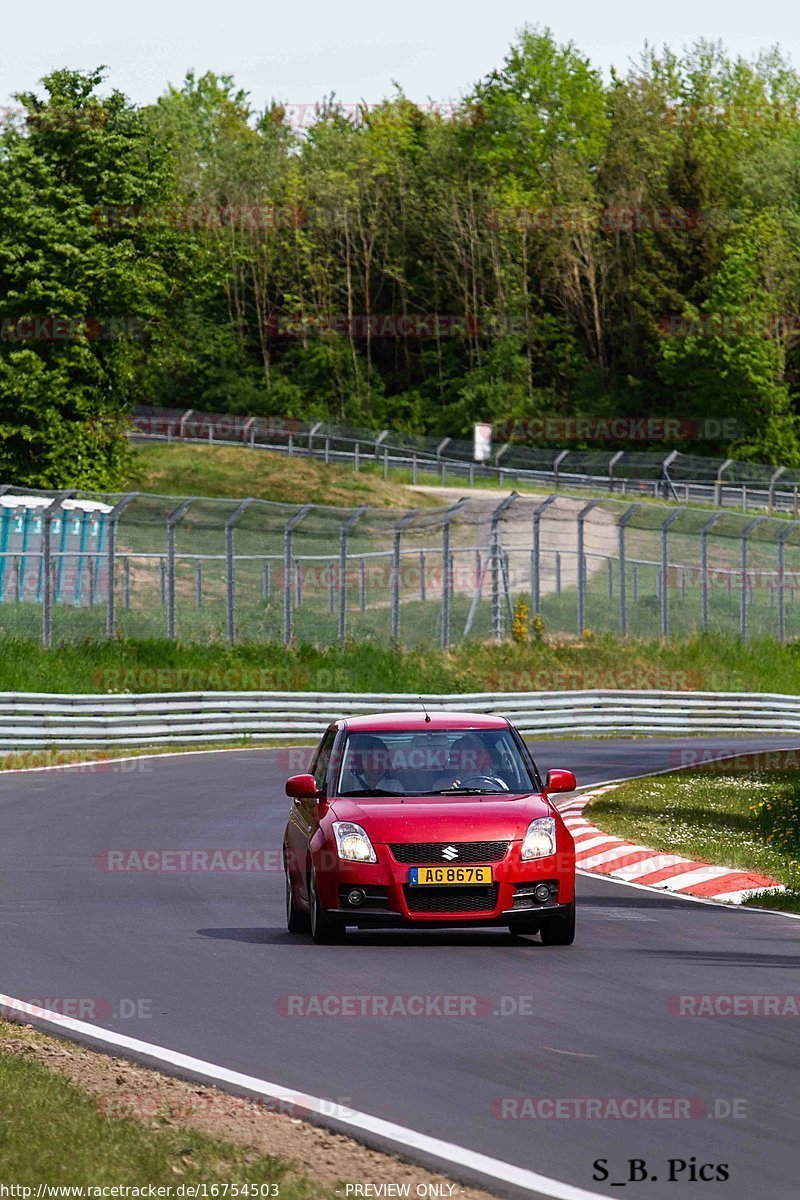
40,721
669,476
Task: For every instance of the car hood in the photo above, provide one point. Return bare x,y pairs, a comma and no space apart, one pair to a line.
463,819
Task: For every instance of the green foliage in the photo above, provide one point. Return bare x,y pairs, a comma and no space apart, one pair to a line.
561,220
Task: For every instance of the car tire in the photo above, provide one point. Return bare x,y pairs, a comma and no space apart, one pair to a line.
296,921
559,930
324,929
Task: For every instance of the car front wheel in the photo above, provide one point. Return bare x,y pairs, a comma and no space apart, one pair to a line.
559,930
324,929
296,921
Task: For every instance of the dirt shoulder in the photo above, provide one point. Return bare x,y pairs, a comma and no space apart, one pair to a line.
126,1090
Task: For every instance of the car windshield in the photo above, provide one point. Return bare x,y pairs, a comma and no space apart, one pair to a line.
452,762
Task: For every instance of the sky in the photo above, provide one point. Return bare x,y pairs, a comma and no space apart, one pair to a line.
298,52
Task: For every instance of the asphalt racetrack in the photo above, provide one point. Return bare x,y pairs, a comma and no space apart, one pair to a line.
204,966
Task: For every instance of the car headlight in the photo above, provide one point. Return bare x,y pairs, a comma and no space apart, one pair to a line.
352,842
540,839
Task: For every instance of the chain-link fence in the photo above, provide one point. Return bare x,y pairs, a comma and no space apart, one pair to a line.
74,565
683,478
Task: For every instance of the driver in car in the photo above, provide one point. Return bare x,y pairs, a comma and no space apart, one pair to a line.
369,766
469,758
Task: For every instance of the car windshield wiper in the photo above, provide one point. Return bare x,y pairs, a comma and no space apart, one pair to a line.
374,792
461,791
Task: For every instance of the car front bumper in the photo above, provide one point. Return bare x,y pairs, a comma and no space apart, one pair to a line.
390,900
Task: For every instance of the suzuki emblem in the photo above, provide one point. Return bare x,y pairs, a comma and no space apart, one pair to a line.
449,853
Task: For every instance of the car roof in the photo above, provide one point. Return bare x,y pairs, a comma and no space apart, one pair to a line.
416,721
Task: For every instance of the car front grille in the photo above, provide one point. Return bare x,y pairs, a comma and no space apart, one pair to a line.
451,899
431,852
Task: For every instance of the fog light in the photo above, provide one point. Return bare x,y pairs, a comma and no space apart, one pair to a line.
357,896
541,892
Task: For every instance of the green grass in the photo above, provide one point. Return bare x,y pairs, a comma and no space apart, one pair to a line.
183,469
235,472
53,1132
704,663
743,814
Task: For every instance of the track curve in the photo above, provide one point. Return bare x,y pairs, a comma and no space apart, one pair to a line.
207,958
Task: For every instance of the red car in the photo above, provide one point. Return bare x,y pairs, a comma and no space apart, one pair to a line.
420,819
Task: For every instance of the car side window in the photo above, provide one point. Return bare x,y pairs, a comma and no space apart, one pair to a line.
319,768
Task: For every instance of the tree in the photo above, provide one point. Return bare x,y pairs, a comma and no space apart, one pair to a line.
76,295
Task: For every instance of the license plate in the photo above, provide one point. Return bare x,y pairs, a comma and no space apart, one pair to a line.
459,876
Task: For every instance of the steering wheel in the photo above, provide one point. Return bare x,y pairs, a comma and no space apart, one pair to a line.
480,780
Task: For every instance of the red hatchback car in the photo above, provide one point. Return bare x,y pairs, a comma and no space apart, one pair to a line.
425,820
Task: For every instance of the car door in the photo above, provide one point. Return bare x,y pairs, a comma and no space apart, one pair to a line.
304,814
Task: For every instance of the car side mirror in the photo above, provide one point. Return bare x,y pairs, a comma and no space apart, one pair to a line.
302,787
560,781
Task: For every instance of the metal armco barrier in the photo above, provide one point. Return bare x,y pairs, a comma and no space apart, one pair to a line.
686,479
40,721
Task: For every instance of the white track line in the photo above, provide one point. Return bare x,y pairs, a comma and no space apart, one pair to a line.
404,1139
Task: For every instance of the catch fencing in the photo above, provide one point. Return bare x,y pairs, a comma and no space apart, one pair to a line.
32,721
684,478
196,569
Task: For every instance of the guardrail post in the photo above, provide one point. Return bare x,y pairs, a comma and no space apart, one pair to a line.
395,579
612,462
230,568
718,482
743,578
704,566
53,510
536,560
198,583
288,530
623,582
581,573
783,537
448,516
112,521
172,521
495,550
773,480
344,530
673,516
557,461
